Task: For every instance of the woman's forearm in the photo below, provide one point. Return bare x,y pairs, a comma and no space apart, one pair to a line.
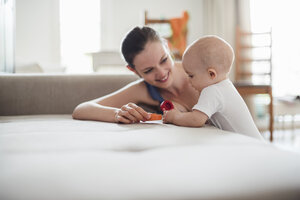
93,111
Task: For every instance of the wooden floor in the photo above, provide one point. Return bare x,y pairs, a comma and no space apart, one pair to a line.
287,139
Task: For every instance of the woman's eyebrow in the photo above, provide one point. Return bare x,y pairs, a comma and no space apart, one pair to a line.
147,68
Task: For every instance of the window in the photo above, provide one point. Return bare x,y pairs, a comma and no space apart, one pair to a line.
282,16
80,33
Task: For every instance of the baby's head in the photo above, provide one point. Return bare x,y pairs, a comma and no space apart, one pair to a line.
208,61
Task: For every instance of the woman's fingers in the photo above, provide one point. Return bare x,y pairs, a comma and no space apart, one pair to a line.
123,120
126,114
139,112
131,113
120,117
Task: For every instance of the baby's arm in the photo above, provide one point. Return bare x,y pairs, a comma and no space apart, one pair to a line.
194,118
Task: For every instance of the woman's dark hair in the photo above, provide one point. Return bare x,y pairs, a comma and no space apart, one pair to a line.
135,41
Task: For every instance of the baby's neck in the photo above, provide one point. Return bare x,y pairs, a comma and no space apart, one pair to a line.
221,77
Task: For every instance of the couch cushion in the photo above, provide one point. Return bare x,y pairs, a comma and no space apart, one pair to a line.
54,157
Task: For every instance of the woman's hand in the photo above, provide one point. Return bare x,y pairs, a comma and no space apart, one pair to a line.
131,113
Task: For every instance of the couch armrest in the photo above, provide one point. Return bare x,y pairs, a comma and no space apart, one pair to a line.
27,94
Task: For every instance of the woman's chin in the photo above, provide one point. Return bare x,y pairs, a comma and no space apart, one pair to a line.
166,84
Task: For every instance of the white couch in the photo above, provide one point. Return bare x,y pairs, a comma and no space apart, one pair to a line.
46,155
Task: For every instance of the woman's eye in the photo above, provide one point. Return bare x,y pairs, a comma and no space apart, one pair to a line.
148,71
164,60
191,76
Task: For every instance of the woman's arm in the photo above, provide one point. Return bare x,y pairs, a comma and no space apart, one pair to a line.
119,106
194,118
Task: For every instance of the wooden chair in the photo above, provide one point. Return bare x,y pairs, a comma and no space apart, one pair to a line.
249,79
178,28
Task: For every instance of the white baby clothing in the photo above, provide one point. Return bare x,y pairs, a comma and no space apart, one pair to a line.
226,109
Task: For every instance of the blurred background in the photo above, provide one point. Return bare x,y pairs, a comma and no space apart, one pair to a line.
84,36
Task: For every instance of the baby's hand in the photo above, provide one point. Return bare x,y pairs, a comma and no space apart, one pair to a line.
170,115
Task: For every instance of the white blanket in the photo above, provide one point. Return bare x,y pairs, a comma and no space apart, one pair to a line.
52,157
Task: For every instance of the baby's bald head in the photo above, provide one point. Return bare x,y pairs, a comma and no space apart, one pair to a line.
209,51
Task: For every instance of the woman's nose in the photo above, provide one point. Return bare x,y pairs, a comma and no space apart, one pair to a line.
160,72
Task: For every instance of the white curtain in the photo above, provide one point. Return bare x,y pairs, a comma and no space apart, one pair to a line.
7,35
243,14
244,22
220,18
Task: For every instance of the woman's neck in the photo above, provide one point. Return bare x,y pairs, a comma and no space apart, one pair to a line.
180,81
181,92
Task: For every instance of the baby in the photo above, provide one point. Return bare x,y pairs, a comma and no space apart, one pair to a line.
208,61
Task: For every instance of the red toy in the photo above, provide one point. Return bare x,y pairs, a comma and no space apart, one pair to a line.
166,105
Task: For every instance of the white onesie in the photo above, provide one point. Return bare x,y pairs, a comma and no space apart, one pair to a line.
226,109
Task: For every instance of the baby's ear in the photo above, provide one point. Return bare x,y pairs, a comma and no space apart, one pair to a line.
212,73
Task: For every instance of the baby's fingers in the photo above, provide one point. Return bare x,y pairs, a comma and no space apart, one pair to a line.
165,117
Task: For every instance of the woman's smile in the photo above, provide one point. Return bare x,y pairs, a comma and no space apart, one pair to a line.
164,79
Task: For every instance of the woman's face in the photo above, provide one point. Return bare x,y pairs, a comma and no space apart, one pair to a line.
155,65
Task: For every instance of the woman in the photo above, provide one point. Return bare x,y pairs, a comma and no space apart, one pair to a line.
147,56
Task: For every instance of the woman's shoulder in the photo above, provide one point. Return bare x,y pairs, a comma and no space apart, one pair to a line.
133,92
139,90
135,84
138,84
133,88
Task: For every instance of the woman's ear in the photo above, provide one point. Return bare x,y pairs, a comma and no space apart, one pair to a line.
132,69
212,73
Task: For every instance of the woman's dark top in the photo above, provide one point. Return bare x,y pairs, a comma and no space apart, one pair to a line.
154,93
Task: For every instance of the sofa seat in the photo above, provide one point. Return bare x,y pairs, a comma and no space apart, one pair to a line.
47,157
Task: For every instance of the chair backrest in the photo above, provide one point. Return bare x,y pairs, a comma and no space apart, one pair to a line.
175,32
253,56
